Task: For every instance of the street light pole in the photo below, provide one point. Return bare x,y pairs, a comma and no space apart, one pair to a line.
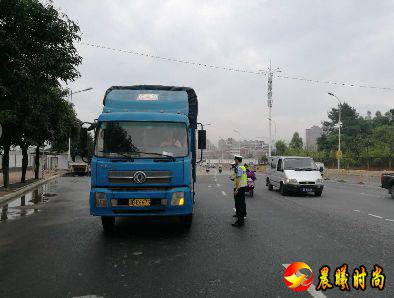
339,127
69,138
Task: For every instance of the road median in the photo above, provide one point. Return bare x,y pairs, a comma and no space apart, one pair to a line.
5,197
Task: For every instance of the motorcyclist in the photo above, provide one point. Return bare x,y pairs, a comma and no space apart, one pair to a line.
250,173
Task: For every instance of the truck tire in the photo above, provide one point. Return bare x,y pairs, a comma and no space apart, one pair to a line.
251,192
318,193
392,191
186,221
108,223
282,189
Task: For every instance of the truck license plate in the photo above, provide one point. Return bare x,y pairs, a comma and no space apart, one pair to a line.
306,189
139,202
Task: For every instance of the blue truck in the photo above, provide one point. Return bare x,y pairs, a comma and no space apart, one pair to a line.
145,154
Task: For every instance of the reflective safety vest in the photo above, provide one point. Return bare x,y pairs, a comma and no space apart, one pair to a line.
244,177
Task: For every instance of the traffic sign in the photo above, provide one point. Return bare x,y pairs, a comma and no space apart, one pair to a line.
338,154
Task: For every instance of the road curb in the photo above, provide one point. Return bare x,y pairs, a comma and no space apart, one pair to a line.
27,188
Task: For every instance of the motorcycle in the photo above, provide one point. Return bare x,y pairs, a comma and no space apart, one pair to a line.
250,187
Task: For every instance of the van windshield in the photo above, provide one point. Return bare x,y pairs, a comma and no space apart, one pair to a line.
141,139
300,164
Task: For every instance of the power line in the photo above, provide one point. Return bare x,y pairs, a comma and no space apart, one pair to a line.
234,69
137,53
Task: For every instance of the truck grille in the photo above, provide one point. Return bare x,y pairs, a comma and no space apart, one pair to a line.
140,177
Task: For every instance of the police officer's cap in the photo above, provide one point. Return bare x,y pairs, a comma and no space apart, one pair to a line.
238,157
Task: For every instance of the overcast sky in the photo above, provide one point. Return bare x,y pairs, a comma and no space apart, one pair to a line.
344,41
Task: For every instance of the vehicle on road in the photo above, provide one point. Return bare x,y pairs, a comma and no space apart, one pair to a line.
79,168
220,169
144,162
294,174
387,180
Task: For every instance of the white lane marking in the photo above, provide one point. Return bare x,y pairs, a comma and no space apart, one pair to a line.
355,210
377,216
369,195
218,185
223,193
209,185
389,219
89,296
312,289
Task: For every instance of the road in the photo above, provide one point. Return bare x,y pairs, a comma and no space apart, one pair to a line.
61,251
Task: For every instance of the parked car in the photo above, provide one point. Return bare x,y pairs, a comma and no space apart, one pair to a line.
388,182
294,174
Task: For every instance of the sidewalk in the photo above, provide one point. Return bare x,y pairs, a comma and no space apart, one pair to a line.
355,176
15,177
17,187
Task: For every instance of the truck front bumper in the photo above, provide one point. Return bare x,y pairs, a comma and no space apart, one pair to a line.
116,202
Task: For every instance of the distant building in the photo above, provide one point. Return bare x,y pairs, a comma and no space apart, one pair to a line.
312,134
229,147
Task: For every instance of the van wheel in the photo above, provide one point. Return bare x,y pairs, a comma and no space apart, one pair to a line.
108,223
318,193
270,187
282,189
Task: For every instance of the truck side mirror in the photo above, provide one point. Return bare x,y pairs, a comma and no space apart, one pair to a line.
202,139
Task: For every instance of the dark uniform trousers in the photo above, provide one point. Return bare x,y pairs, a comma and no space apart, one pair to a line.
240,205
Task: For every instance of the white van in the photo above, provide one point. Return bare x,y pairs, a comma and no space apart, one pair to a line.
294,174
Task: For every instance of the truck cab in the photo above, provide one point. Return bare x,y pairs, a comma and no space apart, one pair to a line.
145,154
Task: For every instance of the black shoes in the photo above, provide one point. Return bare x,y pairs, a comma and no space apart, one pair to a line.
237,224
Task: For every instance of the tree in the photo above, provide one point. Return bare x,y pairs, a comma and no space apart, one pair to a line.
36,53
348,116
281,148
296,142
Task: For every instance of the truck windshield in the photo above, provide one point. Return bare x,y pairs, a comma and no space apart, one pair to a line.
141,139
300,164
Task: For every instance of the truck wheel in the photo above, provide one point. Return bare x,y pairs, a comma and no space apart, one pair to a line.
108,223
186,221
392,191
282,189
318,193
251,192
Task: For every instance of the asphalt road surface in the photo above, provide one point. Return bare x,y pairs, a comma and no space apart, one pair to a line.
56,249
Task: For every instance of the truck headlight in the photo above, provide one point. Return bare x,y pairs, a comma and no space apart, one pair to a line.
319,181
178,198
291,181
100,199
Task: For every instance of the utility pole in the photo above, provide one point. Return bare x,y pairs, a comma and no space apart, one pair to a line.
270,75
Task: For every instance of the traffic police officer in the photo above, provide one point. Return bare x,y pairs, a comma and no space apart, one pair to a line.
239,191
